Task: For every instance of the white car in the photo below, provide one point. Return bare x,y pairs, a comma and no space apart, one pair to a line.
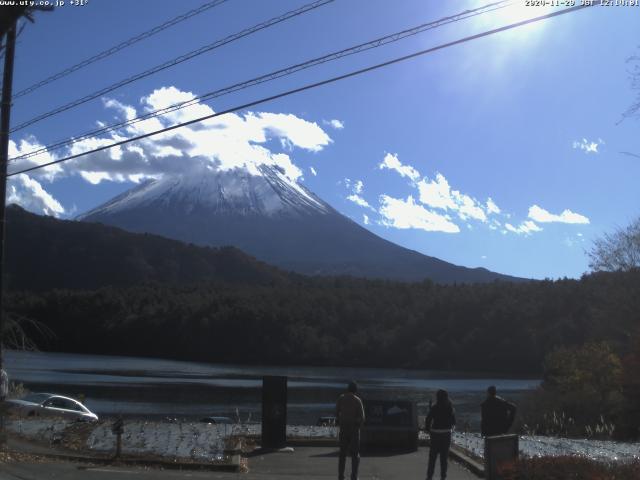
50,405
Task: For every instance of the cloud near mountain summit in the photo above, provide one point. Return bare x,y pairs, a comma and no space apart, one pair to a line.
225,142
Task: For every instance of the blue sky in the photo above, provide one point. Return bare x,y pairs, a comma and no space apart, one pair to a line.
528,118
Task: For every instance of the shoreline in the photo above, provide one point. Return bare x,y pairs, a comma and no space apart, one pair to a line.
256,366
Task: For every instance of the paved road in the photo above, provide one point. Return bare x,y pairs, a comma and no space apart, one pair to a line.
309,463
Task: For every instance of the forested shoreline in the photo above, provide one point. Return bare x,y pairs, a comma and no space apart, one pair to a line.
501,326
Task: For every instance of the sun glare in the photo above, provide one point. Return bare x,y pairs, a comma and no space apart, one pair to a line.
513,12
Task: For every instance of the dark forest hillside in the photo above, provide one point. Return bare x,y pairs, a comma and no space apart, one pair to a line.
44,253
99,289
342,321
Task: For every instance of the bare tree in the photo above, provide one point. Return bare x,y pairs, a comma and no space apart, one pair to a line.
16,336
634,75
619,250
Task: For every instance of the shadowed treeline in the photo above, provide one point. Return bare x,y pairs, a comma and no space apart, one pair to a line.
501,326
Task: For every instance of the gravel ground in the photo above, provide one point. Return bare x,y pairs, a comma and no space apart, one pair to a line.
201,442
538,446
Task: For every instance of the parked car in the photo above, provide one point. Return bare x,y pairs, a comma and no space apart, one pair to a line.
50,405
216,420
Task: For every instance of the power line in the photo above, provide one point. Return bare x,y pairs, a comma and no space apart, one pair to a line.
176,61
378,42
127,43
310,86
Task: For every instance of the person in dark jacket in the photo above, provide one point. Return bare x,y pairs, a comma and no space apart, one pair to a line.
497,414
439,424
349,417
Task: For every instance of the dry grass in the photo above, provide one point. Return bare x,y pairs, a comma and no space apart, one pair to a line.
569,468
15,457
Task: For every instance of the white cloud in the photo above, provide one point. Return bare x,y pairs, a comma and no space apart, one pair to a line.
588,146
313,171
357,188
438,194
225,142
468,207
358,200
27,145
407,213
337,124
301,133
127,112
491,206
392,162
29,194
567,216
525,228
365,219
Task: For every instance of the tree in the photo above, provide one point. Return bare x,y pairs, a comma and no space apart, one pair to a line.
593,368
634,74
581,390
617,251
17,332
630,423
634,108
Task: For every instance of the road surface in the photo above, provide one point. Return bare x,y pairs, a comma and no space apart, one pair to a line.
311,463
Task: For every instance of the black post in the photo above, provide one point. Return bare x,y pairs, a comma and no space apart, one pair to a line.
118,429
274,412
118,445
5,113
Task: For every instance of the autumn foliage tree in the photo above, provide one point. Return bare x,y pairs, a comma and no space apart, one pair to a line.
588,378
630,423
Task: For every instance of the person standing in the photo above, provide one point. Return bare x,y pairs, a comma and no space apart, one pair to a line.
4,385
350,417
497,414
440,423
4,393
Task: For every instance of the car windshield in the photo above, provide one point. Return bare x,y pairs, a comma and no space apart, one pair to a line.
36,397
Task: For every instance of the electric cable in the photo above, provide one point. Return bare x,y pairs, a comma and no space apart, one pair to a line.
175,61
310,86
378,42
116,48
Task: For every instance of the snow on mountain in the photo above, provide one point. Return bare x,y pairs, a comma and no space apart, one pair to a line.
232,191
272,217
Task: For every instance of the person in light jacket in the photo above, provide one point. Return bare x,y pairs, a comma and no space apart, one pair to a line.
349,417
440,423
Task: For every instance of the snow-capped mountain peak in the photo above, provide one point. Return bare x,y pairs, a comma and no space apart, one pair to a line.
236,191
265,213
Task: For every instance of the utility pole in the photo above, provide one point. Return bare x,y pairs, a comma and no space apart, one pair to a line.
5,114
8,26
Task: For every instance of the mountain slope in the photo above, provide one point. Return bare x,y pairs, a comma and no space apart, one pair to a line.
276,220
44,253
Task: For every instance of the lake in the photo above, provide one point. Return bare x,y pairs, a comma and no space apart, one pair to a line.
148,387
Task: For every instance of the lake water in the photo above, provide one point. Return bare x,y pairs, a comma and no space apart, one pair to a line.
165,388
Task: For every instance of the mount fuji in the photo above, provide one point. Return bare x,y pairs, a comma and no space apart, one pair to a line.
275,219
